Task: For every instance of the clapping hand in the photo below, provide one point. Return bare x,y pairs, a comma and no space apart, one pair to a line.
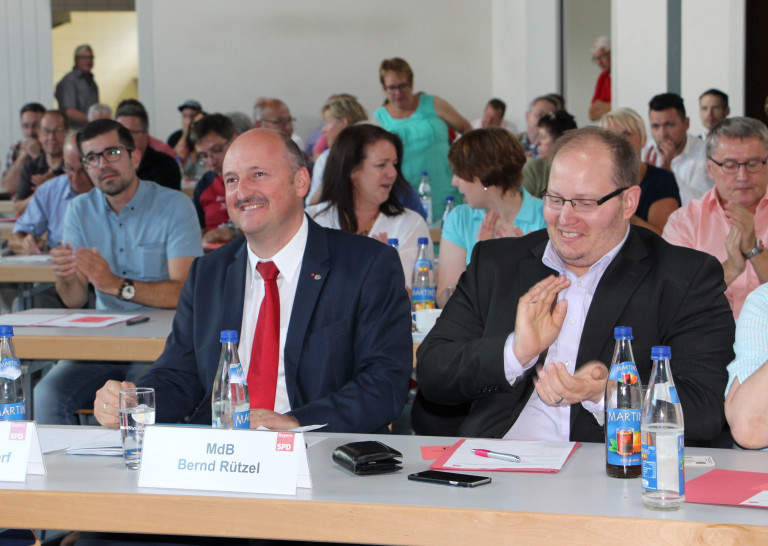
538,322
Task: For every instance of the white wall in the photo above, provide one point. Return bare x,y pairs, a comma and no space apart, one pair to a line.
225,54
713,53
583,22
523,30
25,63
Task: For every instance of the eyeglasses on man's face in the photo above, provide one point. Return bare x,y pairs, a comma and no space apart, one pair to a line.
555,202
110,155
279,122
399,87
730,166
215,151
50,132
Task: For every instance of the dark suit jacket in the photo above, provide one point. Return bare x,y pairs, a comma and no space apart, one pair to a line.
160,168
669,296
348,352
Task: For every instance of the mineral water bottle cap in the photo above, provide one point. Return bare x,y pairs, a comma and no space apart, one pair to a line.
424,173
229,336
393,242
422,241
6,331
622,332
661,352
448,198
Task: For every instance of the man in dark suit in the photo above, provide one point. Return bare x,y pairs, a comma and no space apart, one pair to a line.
345,341
521,348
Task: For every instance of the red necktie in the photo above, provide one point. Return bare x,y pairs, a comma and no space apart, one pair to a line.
265,351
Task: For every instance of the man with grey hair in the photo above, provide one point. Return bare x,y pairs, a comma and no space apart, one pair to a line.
540,373
730,221
99,111
601,99
77,91
275,114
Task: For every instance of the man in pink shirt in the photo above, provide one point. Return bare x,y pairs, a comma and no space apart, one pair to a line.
731,220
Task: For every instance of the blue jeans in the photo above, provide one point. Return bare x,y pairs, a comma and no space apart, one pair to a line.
71,385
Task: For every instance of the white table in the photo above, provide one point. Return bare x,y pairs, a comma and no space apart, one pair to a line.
579,504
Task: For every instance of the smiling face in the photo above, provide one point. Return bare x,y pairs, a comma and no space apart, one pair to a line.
743,188
582,238
373,179
265,198
52,133
112,178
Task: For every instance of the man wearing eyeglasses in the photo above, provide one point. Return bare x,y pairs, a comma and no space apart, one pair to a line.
212,136
133,240
275,114
53,130
521,348
730,221
27,147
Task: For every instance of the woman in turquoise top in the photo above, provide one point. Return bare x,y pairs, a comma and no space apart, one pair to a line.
421,121
488,166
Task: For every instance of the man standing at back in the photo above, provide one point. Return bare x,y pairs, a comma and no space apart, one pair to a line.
77,91
532,374
132,240
323,315
674,149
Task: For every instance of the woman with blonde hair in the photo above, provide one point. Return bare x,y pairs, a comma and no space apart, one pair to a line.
660,195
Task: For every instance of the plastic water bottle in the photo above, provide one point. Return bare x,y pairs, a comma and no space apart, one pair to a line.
394,243
12,399
663,436
623,404
425,194
230,405
448,209
423,289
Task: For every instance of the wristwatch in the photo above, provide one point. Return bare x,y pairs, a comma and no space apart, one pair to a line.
127,290
755,251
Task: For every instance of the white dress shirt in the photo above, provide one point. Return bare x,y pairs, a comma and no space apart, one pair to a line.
540,420
288,261
689,167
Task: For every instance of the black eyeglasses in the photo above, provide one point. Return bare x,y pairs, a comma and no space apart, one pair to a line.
579,205
730,166
110,155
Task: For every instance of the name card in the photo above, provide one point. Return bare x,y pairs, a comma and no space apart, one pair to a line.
209,459
20,452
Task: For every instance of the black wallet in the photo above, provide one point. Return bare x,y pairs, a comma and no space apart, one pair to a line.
366,458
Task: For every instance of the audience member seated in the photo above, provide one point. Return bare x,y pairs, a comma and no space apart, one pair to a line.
155,166
538,107
26,148
421,121
99,111
362,178
339,112
77,90
493,116
487,166
660,195
731,220
674,149
45,213
713,108
539,372
536,170
344,356
182,143
275,114
133,240
35,172
601,99
746,406
212,136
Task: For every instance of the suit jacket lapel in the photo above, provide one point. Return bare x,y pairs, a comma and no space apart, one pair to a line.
314,272
234,286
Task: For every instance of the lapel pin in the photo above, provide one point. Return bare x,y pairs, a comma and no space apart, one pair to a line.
316,276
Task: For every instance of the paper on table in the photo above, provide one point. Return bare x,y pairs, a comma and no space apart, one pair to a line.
56,439
26,319
28,259
729,487
534,456
73,320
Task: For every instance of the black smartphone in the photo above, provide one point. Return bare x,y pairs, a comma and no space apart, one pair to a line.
449,478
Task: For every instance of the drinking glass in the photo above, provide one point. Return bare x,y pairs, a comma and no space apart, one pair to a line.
137,410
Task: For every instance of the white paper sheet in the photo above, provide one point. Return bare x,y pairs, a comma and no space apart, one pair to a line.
534,456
